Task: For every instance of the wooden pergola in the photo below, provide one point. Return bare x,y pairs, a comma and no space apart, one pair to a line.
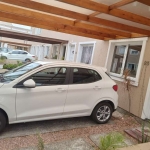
38,14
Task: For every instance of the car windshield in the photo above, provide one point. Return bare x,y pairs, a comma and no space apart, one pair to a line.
16,73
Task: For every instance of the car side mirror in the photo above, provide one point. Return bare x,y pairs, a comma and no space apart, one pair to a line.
29,83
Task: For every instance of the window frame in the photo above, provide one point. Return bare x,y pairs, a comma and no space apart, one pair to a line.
123,62
71,75
79,53
111,48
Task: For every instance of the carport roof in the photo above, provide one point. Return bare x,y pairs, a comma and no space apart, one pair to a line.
99,19
30,37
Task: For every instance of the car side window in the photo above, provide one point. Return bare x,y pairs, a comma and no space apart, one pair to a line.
50,76
23,52
15,52
83,76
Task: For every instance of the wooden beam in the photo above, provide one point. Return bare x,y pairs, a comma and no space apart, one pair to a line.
68,24
121,3
105,9
146,2
7,17
30,37
46,8
75,15
116,5
16,43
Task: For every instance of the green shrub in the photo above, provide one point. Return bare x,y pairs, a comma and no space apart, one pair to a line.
112,141
12,66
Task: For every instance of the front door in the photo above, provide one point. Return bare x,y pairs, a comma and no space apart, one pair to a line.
47,99
71,53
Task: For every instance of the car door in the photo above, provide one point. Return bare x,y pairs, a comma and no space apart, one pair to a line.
84,90
23,55
13,55
47,99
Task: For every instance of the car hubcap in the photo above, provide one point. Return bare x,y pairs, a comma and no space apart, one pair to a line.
103,113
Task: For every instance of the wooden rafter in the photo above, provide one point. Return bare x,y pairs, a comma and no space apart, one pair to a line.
105,9
116,5
65,23
15,43
121,3
146,2
45,25
95,14
30,37
75,15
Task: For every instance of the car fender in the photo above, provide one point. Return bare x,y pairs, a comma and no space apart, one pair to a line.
10,117
102,100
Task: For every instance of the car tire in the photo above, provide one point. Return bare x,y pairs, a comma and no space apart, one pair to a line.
3,121
102,113
27,60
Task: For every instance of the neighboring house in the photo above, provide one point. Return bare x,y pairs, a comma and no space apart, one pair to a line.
115,55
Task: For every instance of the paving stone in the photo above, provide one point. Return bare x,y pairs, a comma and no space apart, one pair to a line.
76,144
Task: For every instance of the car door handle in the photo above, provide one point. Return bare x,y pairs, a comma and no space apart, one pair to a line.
97,88
60,90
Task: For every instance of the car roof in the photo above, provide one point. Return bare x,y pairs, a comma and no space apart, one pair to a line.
53,61
19,50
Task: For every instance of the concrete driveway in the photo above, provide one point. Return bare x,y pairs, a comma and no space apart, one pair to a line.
65,134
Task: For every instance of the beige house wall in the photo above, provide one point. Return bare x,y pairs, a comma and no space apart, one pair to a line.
100,51
137,94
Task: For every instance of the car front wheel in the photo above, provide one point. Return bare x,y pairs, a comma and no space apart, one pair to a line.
102,113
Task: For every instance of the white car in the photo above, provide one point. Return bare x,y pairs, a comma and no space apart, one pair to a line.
20,55
56,89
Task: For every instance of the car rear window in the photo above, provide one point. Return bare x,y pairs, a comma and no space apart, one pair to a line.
83,76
